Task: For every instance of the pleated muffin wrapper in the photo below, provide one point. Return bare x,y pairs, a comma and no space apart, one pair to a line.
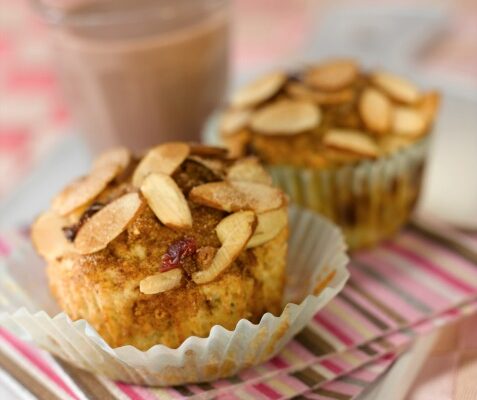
316,264
369,200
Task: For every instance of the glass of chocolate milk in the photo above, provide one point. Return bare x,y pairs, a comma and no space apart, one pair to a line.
140,72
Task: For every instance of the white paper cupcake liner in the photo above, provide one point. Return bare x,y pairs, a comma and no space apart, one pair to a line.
316,252
370,200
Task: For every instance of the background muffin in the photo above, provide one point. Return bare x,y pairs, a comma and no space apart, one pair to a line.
348,143
158,249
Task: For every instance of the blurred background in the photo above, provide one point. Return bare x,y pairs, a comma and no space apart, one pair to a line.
432,39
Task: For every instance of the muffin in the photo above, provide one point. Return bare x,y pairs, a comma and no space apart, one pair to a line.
345,142
156,249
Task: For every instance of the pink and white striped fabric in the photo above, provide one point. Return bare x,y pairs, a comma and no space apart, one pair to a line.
404,287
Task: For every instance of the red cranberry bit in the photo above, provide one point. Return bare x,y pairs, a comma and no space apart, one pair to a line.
177,252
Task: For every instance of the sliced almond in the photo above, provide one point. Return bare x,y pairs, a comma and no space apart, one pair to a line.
235,196
400,89
302,92
286,117
165,158
237,143
259,90
203,150
84,190
429,105
332,75
107,224
48,238
233,121
269,225
375,110
167,201
249,170
408,122
119,156
352,141
212,164
162,282
234,232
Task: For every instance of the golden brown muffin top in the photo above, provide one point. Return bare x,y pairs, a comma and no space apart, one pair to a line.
184,212
327,114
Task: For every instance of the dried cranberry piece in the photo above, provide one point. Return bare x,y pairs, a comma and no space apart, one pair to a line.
177,252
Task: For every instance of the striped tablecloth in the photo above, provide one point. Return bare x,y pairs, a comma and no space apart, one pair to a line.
426,276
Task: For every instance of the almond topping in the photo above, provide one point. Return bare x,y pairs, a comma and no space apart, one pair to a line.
119,156
400,89
352,141
161,282
259,90
233,121
107,224
286,117
428,106
301,92
237,143
84,190
408,122
375,110
249,170
167,201
234,232
269,225
332,75
48,238
203,150
165,158
212,164
235,196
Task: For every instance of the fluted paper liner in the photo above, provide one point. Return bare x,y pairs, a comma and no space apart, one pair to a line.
316,258
369,200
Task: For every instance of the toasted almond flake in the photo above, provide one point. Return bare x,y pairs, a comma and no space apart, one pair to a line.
119,156
162,282
249,170
286,117
107,224
428,106
234,232
302,92
269,225
233,121
237,143
235,196
332,75
214,165
400,89
375,110
167,201
259,90
203,150
48,238
352,141
165,158
408,122
84,190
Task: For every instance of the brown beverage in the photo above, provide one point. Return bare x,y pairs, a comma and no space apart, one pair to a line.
142,72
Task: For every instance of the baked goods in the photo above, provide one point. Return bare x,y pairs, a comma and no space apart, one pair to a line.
343,141
158,249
